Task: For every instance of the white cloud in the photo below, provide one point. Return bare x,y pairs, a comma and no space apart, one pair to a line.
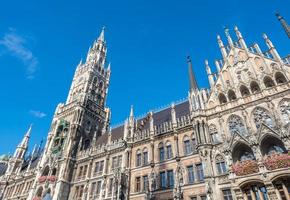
16,46
37,114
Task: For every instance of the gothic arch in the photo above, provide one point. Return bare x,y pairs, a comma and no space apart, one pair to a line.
255,87
241,152
236,124
262,116
270,144
45,171
268,82
244,90
222,98
231,95
280,78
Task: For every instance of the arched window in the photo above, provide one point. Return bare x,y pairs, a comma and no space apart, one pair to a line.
236,125
255,87
161,152
222,98
214,134
145,156
53,173
221,165
39,192
45,171
268,82
138,158
285,110
244,91
231,95
261,115
169,153
280,78
187,145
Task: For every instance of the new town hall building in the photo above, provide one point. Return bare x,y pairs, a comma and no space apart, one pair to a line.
230,141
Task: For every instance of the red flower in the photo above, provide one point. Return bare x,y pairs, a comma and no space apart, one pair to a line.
241,168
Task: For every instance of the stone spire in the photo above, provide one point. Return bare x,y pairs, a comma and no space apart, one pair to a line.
271,48
230,41
222,47
193,83
284,24
22,147
240,38
209,74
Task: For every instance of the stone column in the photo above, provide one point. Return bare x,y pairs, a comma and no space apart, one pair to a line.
271,191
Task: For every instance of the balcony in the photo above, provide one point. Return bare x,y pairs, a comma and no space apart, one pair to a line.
241,168
277,161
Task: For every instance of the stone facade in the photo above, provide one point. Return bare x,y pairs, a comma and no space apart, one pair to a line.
227,142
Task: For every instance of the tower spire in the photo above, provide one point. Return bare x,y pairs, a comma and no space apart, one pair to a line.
102,35
284,24
193,83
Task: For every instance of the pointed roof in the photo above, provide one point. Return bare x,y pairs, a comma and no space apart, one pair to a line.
192,80
102,35
284,24
25,140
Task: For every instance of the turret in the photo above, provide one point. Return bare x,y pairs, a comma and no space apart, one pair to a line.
230,41
284,24
16,161
222,47
209,74
241,39
22,147
272,48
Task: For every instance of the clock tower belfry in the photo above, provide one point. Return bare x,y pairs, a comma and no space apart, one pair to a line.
78,122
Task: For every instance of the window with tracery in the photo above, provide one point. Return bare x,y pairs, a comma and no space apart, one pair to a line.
261,115
214,134
236,125
285,110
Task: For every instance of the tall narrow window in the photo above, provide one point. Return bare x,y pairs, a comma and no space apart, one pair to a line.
169,151
190,174
161,153
200,174
93,188
145,158
145,183
99,185
138,159
187,146
138,184
170,179
101,167
162,180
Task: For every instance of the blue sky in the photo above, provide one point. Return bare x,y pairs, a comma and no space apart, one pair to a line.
41,42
